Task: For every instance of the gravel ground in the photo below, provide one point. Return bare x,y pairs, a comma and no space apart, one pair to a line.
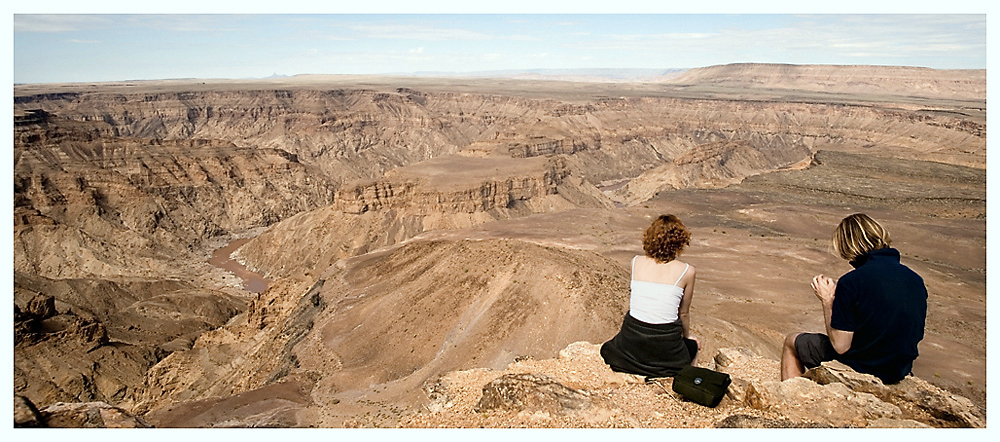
622,401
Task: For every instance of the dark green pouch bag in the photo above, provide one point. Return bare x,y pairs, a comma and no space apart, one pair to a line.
701,385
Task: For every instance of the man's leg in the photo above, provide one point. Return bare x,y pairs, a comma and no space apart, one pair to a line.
804,350
791,366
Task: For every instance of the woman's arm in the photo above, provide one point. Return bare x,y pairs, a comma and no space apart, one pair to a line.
684,311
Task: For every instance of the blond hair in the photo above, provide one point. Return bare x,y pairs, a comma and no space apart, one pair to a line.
857,235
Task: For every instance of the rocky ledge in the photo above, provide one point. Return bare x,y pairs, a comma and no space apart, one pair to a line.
578,390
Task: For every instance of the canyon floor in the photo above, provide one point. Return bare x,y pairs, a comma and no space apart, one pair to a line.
411,230
756,246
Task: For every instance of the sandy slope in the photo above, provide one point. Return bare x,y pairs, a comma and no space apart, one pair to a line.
531,265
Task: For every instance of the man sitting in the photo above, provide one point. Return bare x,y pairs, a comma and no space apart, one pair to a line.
874,314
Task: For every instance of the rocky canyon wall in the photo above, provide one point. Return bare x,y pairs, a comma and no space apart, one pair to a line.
366,216
121,194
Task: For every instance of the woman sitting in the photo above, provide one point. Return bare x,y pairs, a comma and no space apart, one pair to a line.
655,338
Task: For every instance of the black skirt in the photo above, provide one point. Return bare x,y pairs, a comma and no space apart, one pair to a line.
653,350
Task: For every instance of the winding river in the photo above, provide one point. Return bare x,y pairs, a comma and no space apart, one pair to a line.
252,281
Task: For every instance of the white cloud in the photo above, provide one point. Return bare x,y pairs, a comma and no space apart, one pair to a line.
416,32
521,37
189,22
834,39
663,38
57,23
89,22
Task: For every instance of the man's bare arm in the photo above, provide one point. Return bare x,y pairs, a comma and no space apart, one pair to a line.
825,289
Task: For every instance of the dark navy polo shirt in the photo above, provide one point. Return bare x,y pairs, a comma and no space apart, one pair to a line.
885,304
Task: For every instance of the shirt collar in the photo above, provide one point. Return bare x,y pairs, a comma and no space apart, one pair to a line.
887,252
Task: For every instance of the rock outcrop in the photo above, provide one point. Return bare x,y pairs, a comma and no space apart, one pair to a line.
449,185
73,415
835,395
114,332
535,392
713,166
25,414
804,400
445,193
90,415
539,394
92,204
252,351
919,398
576,390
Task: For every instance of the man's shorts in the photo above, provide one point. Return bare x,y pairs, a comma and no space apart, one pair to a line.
813,349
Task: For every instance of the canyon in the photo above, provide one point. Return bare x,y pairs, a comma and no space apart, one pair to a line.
404,230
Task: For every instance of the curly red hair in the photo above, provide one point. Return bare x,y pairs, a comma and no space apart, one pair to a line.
665,238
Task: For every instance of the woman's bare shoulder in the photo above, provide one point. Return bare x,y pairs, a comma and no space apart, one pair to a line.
681,264
690,268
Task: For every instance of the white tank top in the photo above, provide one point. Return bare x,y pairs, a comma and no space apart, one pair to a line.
655,302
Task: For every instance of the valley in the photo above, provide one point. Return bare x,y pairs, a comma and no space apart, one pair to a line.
399,229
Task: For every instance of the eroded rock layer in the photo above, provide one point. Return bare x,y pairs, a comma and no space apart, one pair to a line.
398,317
479,226
88,203
444,193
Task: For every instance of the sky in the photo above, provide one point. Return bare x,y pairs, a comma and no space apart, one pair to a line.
109,46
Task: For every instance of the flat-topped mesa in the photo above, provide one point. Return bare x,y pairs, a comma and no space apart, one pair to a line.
456,185
540,146
962,84
443,193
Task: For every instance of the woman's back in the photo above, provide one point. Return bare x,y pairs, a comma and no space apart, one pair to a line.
654,339
647,269
657,290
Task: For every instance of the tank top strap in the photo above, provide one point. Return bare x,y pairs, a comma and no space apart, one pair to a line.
683,273
633,265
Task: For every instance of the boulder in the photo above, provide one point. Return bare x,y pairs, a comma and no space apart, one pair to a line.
737,390
90,415
862,400
42,306
25,413
743,366
802,400
534,393
731,357
919,399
